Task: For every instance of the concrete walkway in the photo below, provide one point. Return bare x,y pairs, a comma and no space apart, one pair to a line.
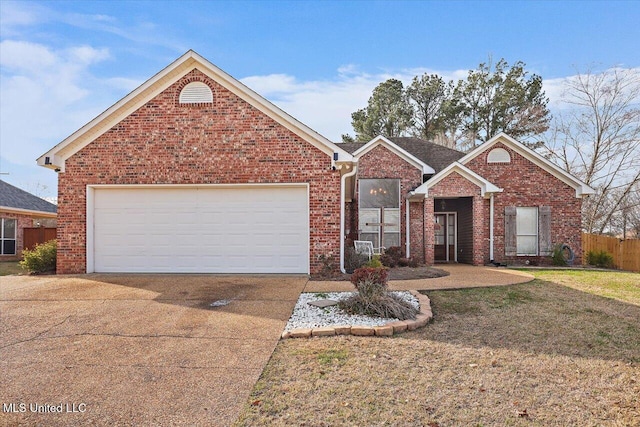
460,276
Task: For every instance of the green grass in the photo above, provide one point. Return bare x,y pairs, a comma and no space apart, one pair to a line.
332,356
10,267
619,285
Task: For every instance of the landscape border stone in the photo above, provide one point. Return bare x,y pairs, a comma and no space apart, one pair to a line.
392,328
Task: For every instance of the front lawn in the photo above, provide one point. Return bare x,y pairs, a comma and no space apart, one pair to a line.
10,267
555,351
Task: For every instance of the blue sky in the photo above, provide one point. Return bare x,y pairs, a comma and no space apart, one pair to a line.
63,63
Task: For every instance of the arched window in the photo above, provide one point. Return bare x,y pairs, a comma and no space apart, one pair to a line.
498,155
196,93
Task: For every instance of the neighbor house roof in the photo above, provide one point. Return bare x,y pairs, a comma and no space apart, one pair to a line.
55,158
17,200
434,155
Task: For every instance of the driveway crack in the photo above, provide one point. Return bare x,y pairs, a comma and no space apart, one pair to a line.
36,337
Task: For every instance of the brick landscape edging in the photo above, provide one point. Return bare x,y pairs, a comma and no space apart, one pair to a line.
422,318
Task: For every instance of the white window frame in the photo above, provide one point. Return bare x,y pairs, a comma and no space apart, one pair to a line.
3,237
381,230
519,233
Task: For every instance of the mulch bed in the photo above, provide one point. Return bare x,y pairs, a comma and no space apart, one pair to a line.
397,273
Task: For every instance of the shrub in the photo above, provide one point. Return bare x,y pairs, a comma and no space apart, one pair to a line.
373,298
374,262
353,260
558,256
408,262
41,259
378,275
392,256
602,259
329,265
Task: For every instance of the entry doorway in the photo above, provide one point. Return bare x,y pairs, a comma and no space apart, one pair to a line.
446,236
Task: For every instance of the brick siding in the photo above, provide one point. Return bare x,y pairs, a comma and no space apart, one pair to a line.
526,184
227,142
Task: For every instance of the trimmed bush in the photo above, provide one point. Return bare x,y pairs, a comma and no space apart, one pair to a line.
378,275
602,259
41,259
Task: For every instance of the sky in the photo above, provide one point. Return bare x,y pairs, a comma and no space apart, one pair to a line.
64,62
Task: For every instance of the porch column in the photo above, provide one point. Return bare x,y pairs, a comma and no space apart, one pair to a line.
429,238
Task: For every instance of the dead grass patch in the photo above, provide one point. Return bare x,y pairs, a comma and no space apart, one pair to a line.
534,354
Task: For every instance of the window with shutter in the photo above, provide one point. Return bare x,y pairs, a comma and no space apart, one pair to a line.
527,231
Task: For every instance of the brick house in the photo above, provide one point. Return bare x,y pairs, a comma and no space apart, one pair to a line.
195,172
20,210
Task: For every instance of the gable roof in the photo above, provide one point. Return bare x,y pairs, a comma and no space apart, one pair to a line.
486,187
16,199
55,157
394,148
434,155
581,188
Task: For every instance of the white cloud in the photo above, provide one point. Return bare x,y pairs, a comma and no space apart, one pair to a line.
44,96
326,105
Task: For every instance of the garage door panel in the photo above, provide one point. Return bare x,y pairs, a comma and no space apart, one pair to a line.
220,230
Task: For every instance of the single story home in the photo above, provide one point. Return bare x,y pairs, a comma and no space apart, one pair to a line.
195,172
20,210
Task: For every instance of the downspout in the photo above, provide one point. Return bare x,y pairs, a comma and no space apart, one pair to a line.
408,229
343,181
491,259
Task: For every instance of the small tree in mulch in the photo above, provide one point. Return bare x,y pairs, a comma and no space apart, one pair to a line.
373,297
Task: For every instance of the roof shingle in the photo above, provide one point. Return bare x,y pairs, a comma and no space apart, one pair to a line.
13,197
435,155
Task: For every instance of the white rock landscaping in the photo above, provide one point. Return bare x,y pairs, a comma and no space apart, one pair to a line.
309,320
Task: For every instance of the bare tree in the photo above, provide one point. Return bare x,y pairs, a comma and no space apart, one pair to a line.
598,140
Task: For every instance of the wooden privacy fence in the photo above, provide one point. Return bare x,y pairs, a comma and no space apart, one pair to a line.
35,236
626,253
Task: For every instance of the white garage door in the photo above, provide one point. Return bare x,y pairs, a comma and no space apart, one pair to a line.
259,229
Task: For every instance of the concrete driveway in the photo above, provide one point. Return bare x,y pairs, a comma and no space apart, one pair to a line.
136,349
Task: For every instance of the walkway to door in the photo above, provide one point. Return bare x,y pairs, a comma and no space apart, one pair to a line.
460,276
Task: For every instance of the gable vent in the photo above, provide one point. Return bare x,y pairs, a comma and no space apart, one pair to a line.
195,93
499,155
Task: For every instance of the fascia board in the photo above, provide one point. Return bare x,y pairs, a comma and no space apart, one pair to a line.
162,80
486,187
581,188
408,157
9,209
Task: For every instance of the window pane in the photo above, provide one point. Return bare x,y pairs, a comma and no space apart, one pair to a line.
378,193
391,239
9,229
527,221
392,216
8,247
527,245
369,216
371,237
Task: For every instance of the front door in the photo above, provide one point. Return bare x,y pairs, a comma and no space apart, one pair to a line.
445,237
